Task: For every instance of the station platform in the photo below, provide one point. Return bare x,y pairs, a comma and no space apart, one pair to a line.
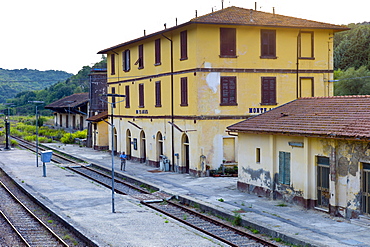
88,206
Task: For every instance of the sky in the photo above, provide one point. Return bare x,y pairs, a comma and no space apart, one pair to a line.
66,35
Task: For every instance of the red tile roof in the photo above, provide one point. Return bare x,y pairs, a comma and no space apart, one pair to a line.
240,16
99,117
69,101
346,117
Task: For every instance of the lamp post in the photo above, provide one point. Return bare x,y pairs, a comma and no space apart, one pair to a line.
112,104
37,130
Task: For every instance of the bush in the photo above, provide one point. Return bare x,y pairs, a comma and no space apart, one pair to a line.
80,134
30,138
67,138
43,139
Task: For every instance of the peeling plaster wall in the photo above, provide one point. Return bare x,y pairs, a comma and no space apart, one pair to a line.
346,158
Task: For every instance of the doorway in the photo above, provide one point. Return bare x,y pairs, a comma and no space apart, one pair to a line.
323,190
186,153
142,147
365,188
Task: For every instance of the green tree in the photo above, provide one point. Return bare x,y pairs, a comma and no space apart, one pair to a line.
352,81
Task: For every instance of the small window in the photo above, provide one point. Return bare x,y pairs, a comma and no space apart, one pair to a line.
184,91
157,51
184,45
113,98
140,60
227,42
306,87
306,45
158,96
113,64
126,60
258,155
228,90
284,168
268,44
127,93
268,90
141,95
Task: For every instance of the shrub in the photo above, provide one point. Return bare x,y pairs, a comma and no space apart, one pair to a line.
30,138
80,134
44,139
67,138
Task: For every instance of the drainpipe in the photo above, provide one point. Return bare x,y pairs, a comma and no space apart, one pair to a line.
297,69
172,110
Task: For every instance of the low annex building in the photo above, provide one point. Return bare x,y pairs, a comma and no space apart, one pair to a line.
71,111
185,84
99,131
311,151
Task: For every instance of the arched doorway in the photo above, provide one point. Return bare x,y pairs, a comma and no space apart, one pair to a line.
185,153
115,141
142,147
128,144
159,147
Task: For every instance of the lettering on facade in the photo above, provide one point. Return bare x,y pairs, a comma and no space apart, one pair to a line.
141,111
258,110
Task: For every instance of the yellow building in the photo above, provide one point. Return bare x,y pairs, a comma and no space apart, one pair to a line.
312,151
185,84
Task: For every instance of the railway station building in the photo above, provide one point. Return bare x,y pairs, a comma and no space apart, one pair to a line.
185,84
314,152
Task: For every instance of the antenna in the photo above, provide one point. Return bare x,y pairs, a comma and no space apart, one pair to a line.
196,13
255,6
176,21
222,4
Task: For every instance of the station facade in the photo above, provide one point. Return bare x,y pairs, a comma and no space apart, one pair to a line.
181,87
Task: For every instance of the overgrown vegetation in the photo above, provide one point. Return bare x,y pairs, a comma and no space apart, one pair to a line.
352,60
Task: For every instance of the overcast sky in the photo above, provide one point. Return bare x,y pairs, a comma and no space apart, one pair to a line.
66,35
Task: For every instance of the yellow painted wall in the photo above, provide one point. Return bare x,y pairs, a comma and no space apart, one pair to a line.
204,116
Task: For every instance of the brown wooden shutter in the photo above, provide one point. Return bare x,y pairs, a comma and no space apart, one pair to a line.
228,90
127,93
158,96
268,43
184,45
113,64
184,91
114,98
158,51
141,95
228,42
268,90
141,56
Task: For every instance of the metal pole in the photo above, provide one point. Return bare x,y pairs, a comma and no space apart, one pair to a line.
37,139
112,134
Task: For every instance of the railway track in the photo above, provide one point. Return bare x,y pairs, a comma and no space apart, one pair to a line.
160,201
30,229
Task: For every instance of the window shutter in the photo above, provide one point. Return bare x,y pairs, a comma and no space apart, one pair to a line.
141,56
114,98
268,90
141,95
268,43
113,64
184,45
127,93
157,51
158,100
228,42
184,91
228,90
284,168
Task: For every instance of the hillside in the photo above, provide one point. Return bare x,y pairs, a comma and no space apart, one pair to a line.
15,81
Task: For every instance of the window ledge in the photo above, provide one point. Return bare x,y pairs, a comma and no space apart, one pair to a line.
158,105
268,57
307,58
141,68
228,56
183,104
157,64
228,104
183,58
141,106
268,103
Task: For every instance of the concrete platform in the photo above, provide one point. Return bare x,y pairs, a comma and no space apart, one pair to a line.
88,206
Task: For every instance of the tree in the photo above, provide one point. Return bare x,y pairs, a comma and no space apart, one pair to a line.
352,81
